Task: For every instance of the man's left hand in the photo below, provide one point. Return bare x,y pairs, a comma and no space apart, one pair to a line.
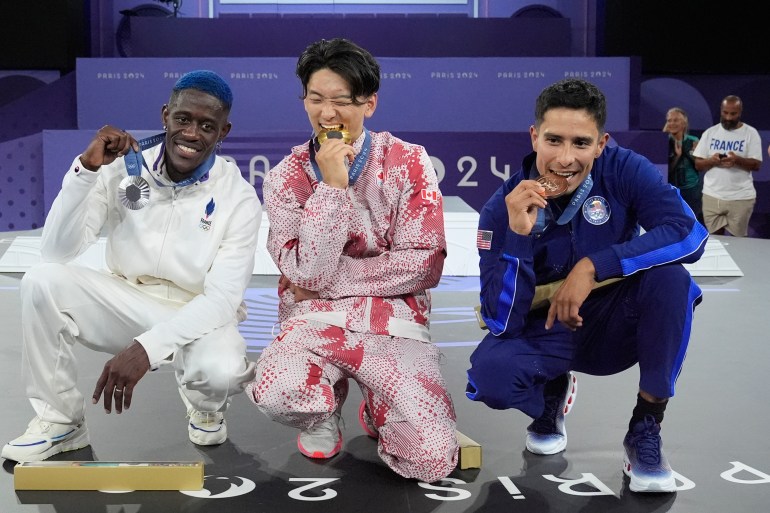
119,377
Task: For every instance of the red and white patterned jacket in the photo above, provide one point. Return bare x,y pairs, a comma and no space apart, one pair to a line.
371,251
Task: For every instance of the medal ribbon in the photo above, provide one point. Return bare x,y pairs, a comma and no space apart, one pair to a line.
135,162
578,197
358,163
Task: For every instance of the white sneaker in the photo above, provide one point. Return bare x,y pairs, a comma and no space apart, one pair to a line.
44,439
205,428
323,440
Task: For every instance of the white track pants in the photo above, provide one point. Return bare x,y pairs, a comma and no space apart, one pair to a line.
65,304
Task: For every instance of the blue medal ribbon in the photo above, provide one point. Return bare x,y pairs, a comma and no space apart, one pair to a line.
135,162
575,202
356,168
133,159
578,197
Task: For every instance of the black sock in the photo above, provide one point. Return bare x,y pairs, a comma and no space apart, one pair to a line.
557,385
644,408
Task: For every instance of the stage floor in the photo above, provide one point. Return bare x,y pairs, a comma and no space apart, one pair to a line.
714,433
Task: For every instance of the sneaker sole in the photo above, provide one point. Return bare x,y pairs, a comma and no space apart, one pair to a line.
534,449
364,425
78,441
213,441
641,485
211,437
318,455
572,395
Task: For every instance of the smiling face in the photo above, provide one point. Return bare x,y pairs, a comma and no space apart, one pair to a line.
194,122
329,104
567,142
676,123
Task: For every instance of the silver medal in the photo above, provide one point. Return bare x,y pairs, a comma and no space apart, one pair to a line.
134,192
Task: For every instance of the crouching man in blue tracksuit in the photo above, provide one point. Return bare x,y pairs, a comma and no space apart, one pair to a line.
620,297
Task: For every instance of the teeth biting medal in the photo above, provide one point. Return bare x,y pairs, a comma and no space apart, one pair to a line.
553,184
340,132
336,132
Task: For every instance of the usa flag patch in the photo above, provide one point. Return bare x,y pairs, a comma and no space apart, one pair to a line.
484,239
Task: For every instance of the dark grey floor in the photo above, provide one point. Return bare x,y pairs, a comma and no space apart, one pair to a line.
715,432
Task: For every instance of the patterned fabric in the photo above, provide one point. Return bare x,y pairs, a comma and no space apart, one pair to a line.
370,251
302,377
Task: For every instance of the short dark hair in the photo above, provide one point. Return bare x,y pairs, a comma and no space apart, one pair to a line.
205,81
354,64
573,93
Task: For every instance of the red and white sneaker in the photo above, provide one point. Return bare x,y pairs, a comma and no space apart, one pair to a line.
365,419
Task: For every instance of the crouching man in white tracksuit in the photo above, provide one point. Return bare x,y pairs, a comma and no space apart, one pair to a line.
181,225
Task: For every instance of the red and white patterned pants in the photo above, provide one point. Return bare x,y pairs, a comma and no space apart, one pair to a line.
302,380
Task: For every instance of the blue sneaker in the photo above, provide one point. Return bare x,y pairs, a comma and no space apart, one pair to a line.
644,461
547,433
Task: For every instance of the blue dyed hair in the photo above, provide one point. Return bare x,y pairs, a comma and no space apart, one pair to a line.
207,82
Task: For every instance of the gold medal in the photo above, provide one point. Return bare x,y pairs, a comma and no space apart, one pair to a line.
134,192
553,184
338,132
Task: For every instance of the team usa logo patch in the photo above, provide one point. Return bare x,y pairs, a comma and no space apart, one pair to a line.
484,239
430,195
596,210
205,223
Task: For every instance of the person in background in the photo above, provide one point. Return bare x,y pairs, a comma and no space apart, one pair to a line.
357,232
570,221
729,152
181,225
681,164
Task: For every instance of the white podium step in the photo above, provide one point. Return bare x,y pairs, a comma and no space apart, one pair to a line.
460,223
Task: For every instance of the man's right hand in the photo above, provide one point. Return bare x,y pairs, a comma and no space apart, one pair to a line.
522,203
333,161
119,377
300,294
108,144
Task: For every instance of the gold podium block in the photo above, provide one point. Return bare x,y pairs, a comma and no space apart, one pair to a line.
470,453
108,475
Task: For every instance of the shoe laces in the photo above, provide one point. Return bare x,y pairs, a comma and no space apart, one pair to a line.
39,426
646,441
203,418
546,423
329,427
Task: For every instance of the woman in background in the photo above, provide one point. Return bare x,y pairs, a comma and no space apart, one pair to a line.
681,165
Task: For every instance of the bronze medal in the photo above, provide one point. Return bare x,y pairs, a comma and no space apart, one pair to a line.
553,184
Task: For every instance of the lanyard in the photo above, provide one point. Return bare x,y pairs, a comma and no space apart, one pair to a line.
575,202
135,162
358,163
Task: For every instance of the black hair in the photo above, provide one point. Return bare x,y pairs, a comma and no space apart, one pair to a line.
354,64
573,93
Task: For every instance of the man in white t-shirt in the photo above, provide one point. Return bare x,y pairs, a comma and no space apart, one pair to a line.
729,152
